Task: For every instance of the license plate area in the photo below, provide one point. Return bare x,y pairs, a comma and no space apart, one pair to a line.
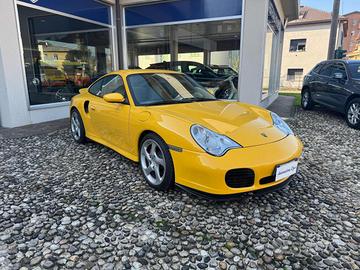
286,170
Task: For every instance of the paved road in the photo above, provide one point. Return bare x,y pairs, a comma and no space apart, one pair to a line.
64,205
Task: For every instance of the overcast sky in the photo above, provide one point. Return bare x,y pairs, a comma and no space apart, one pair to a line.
345,7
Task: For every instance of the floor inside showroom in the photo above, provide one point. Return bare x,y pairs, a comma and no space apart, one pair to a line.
65,205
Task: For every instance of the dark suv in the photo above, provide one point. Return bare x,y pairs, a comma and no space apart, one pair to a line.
336,85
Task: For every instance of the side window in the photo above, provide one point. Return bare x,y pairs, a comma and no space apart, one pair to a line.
95,89
317,68
326,70
113,84
339,68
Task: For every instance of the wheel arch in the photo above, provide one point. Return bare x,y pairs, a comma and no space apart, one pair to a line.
305,87
350,98
143,134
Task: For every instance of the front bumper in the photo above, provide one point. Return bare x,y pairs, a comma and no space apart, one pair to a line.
204,173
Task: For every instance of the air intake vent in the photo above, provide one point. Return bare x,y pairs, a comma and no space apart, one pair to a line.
240,178
267,180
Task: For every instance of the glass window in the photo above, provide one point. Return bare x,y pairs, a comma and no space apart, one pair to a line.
339,68
355,71
326,70
95,89
163,88
317,68
297,45
272,51
112,84
61,54
190,48
295,74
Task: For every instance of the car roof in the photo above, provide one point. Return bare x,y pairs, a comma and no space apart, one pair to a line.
127,72
345,61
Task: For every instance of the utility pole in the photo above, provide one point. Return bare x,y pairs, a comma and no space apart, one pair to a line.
333,31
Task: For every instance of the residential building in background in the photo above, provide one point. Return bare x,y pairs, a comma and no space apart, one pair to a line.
352,37
306,43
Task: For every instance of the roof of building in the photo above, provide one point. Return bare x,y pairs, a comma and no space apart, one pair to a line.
354,12
309,15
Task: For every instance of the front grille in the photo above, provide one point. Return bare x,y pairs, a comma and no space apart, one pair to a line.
240,178
267,180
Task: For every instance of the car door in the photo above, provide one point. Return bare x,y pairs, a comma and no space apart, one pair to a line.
320,93
336,90
110,120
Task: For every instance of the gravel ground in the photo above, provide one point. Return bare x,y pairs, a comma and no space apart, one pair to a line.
64,205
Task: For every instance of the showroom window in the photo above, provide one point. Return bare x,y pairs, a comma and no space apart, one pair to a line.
272,51
61,54
161,36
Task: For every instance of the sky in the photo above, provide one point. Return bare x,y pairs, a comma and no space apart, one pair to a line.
346,6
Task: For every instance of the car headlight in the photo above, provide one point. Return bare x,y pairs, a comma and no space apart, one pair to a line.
212,142
281,124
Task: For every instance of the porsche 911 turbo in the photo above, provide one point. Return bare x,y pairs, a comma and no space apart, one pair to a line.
181,134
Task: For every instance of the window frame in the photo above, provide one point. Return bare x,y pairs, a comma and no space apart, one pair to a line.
104,77
294,69
297,45
344,66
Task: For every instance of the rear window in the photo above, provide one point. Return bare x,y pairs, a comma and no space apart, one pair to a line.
317,68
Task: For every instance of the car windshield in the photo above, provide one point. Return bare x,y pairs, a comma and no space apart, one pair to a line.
165,88
355,70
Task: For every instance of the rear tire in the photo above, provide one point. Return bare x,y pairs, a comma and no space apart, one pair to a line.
77,127
352,113
306,101
156,163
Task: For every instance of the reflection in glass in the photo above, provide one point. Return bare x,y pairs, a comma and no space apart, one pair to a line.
187,48
61,54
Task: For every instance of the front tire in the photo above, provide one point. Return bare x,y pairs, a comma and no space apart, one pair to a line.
306,101
156,163
77,127
353,113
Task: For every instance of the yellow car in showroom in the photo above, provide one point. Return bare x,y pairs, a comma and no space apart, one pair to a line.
180,134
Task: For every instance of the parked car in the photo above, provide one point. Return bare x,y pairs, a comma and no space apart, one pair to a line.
199,72
181,134
223,70
334,84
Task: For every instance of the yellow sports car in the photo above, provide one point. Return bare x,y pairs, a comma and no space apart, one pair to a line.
180,134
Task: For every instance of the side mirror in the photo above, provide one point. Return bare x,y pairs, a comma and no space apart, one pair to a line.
338,76
114,98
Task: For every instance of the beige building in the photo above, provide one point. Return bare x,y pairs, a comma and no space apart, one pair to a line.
306,43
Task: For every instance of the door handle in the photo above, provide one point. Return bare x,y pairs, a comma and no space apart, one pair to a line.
92,108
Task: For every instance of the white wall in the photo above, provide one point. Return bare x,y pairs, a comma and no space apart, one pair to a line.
252,50
13,97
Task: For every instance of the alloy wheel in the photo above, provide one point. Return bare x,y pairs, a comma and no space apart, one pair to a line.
305,99
353,114
153,162
75,126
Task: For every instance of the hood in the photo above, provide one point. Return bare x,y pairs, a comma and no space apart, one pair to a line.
246,124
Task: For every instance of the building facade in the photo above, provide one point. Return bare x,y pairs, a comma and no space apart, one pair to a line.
352,36
51,48
306,43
